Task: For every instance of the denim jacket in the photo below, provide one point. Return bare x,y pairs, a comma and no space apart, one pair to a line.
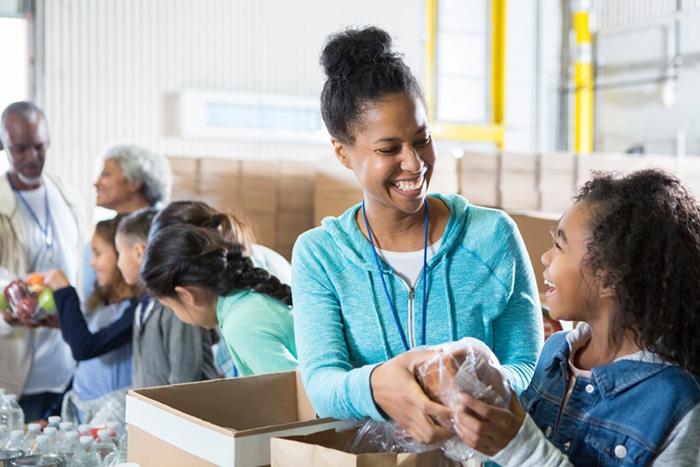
620,416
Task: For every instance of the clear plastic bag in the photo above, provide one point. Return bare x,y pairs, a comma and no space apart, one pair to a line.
464,366
29,301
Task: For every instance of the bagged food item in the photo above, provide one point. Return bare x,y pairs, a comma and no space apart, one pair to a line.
29,300
464,366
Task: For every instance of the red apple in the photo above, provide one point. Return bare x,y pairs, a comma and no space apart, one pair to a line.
26,308
15,291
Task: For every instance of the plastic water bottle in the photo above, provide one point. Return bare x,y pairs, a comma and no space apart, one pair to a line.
116,458
117,431
54,421
43,445
52,433
85,455
104,444
18,442
69,444
11,413
33,430
84,430
64,427
124,440
3,419
4,435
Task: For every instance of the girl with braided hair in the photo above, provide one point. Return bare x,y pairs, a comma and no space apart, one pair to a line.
208,281
233,229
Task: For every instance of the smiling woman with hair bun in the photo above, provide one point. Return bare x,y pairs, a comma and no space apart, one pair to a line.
403,268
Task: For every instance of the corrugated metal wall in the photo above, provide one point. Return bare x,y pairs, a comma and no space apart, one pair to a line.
613,14
111,70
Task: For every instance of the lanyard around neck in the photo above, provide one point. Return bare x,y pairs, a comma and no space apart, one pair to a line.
386,290
48,238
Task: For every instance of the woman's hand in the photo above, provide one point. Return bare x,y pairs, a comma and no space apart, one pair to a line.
55,279
486,428
396,392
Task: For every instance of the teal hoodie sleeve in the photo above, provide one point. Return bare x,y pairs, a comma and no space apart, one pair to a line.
335,388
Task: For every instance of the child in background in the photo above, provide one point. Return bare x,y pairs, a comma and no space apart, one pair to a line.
231,228
104,366
208,281
166,350
623,387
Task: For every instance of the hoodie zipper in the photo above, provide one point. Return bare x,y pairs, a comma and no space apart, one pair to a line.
411,317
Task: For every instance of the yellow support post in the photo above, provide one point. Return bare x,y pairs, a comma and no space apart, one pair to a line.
498,64
583,79
430,63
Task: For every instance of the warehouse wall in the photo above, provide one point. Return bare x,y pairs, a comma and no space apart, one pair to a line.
112,70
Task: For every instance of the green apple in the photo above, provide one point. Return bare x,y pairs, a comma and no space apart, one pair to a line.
4,304
45,300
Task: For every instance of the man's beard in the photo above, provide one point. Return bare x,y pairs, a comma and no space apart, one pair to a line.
29,181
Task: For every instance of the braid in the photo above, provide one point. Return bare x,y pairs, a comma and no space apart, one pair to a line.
182,255
241,271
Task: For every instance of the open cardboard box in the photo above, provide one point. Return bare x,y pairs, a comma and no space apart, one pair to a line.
225,422
330,449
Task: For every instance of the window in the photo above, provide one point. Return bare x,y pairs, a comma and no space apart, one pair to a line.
14,78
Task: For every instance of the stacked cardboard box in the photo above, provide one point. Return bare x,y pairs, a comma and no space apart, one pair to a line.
479,178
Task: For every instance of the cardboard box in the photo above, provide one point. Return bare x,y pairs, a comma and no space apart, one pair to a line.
326,449
225,422
479,176
519,182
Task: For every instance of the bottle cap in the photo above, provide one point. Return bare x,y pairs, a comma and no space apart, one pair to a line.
34,427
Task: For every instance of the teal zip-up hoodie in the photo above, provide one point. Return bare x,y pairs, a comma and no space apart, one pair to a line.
480,284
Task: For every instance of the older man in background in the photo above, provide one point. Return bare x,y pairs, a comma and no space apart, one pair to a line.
41,228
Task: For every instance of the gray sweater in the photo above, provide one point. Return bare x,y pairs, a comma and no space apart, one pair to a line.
169,351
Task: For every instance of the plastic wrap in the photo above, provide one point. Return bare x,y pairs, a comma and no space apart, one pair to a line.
27,299
465,366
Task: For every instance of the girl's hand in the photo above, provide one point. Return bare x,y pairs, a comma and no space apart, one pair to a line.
50,321
396,392
486,428
55,279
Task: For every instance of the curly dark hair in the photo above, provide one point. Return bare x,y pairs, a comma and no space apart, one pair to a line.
645,244
182,255
361,69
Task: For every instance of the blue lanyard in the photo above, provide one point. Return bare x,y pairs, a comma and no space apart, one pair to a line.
48,239
381,276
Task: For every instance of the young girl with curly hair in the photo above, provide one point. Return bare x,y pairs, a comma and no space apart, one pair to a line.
622,388
100,340
208,281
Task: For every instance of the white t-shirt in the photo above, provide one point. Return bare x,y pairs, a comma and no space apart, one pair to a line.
408,265
53,364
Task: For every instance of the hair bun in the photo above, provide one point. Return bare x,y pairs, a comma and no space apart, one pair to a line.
349,51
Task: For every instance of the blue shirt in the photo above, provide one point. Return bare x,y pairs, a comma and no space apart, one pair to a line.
109,371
